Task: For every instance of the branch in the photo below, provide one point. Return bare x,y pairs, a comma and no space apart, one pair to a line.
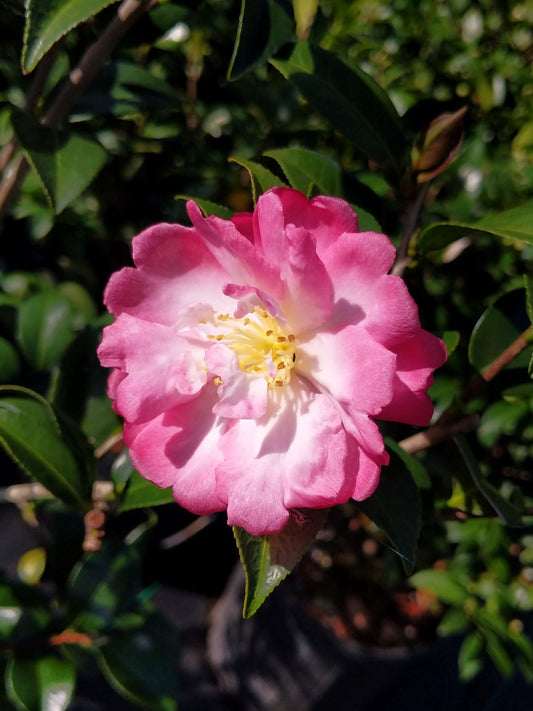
402,259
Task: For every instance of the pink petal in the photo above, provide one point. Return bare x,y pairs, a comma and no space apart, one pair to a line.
297,455
179,448
175,269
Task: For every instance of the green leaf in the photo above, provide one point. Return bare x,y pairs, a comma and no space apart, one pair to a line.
264,26
9,361
469,660
499,326
262,179
441,583
45,328
529,307
412,464
32,436
506,511
103,585
451,340
139,666
123,88
307,169
267,560
40,684
10,610
304,14
141,493
353,103
208,207
516,224
502,417
66,162
395,508
49,20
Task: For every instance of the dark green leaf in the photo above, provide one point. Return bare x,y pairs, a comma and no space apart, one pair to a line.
103,585
267,560
31,434
9,361
40,684
141,493
10,610
395,508
65,162
123,88
264,26
413,465
516,224
307,169
48,20
353,103
45,328
262,179
499,326
139,666
506,511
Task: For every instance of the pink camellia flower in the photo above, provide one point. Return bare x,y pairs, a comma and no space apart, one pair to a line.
251,357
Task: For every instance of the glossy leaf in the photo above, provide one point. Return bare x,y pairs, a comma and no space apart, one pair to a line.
307,169
267,560
45,328
40,684
208,207
401,523
66,162
31,434
498,327
264,26
262,178
49,20
516,224
140,665
141,493
353,103
506,511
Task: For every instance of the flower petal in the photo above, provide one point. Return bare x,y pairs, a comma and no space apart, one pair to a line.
179,448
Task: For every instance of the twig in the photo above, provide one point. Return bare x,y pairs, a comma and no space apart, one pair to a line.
447,425
402,258
95,56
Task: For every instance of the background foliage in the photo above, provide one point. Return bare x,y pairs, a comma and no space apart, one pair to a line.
420,116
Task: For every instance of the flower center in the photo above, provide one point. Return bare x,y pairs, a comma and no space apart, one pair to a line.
261,344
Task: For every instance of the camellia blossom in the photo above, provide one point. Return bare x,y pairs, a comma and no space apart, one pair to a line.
252,356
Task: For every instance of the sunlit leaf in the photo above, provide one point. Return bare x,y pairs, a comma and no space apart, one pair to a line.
442,583
141,493
32,436
40,684
262,178
267,560
208,207
353,103
49,20
516,224
307,169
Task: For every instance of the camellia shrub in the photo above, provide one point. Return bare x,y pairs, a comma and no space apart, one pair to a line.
270,263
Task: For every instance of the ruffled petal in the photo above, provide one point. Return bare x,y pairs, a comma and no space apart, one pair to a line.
179,449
